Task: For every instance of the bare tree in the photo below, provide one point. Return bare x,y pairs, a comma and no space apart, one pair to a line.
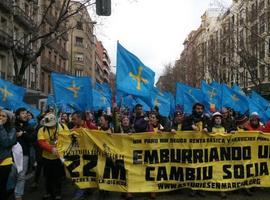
35,42
243,45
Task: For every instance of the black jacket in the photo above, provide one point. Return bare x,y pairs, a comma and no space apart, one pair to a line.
229,124
28,137
192,120
139,123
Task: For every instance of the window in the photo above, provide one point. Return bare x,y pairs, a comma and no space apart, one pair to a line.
261,5
60,63
65,67
49,83
224,61
2,67
27,9
78,72
79,57
79,41
50,55
32,76
268,69
269,46
262,23
3,24
262,50
42,81
79,26
262,72
16,33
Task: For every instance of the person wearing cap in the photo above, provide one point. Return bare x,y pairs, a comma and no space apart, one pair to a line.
53,167
241,122
177,121
26,137
254,123
7,140
217,123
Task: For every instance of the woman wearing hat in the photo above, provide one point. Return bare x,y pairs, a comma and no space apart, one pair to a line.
217,123
53,167
7,140
254,123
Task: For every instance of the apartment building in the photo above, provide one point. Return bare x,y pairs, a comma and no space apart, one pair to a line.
230,47
17,24
81,46
54,57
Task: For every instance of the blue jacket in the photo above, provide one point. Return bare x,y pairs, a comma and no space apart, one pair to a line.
7,140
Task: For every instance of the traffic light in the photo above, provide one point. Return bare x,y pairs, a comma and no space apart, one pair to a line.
103,7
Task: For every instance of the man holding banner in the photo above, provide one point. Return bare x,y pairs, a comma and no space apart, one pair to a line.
53,167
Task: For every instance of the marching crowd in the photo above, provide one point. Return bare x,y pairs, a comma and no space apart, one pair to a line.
27,143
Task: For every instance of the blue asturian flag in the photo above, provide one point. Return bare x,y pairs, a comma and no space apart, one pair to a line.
100,101
132,76
105,89
192,96
236,88
71,90
234,100
162,101
187,96
254,107
10,92
260,101
212,97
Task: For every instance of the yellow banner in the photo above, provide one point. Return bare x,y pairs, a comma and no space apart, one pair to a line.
157,162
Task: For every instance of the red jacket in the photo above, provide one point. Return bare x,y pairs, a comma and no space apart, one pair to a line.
250,128
267,127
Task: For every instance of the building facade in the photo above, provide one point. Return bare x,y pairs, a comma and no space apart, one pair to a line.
103,63
54,57
17,24
81,46
230,47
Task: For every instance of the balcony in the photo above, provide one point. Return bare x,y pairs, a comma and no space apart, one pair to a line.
22,17
21,49
106,71
33,85
6,5
5,39
59,49
24,83
48,64
63,52
105,62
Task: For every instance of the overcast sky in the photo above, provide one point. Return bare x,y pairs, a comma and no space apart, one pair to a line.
154,30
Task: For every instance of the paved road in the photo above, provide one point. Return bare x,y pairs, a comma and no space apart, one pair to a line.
68,190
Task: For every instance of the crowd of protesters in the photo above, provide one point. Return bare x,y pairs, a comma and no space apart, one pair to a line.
27,143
